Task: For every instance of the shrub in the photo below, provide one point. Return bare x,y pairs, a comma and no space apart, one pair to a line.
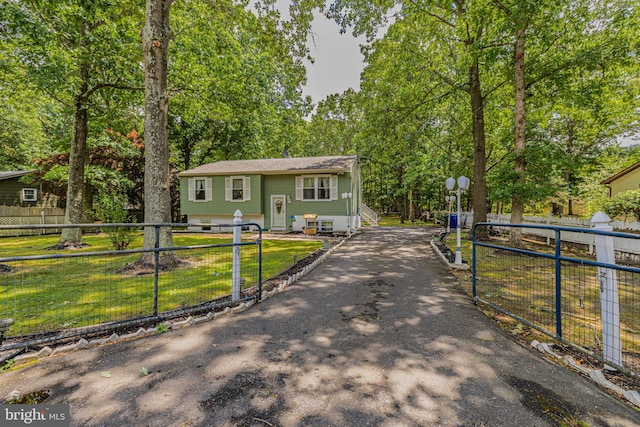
112,208
624,206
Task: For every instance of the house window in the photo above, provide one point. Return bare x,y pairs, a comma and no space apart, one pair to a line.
29,195
200,190
309,189
237,189
316,188
324,193
237,185
325,226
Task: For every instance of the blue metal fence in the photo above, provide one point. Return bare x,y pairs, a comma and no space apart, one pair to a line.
561,291
57,295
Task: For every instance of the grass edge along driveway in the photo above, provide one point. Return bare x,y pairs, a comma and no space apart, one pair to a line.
44,295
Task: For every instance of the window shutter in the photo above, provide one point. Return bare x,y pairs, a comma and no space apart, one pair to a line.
246,190
227,189
208,189
192,189
298,188
334,187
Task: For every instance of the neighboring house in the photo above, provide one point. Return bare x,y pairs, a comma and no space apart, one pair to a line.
628,179
24,204
276,193
15,193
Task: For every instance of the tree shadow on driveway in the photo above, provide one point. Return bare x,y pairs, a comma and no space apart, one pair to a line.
380,334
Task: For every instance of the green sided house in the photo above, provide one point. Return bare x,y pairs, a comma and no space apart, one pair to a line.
306,194
13,192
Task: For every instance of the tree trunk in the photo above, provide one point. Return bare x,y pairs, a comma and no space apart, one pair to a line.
569,179
156,35
412,213
87,202
187,157
479,155
569,174
73,213
517,199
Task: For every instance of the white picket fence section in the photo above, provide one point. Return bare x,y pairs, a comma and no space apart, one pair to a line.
626,249
565,222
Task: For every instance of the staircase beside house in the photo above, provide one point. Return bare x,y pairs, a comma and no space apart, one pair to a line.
369,215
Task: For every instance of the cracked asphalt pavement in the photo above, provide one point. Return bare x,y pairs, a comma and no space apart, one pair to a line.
380,334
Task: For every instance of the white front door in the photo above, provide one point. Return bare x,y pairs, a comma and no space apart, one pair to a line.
278,212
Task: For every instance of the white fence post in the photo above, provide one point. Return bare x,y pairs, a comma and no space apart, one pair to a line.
235,263
609,302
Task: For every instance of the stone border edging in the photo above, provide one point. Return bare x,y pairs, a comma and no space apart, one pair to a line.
47,351
446,261
294,278
595,374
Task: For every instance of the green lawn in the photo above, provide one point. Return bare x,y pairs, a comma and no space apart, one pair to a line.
525,286
49,294
394,221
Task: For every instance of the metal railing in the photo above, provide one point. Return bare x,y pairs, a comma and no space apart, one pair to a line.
369,215
53,295
563,292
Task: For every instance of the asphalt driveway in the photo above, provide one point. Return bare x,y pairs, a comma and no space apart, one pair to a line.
380,334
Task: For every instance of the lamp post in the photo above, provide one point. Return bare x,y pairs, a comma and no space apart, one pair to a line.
347,197
463,185
449,199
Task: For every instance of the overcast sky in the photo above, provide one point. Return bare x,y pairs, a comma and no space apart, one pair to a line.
338,61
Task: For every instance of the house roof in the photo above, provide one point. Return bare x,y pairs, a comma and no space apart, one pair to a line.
289,165
621,174
15,174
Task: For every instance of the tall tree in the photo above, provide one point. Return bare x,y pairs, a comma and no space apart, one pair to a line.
450,42
156,36
235,81
22,124
333,128
565,42
74,53
593,101
520,17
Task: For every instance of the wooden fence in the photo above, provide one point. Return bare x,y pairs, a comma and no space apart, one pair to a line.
16,215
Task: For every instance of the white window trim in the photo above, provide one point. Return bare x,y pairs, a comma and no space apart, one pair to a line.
333,188
208,189
246,189
34,198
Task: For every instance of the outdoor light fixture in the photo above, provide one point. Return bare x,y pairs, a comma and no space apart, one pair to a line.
463,185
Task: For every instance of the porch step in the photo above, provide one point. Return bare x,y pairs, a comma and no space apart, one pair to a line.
369,215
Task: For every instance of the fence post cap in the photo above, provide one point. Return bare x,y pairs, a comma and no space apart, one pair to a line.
600,218
237,216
